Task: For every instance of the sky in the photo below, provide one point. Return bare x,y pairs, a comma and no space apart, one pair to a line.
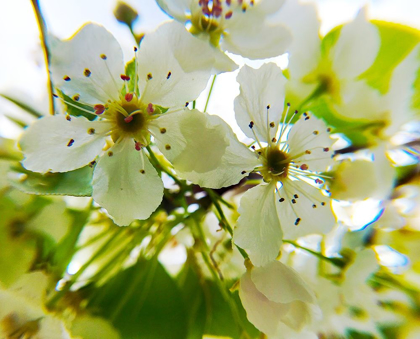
22,71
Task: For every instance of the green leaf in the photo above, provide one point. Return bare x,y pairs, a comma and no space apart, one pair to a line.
9,150
208,311
143,302
75,183
130,70
23,105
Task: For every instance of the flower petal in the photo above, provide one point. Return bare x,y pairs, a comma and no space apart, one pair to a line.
305,50
310,213
252,36
173,66
356,48
175,8
281,283
121,186
310,143
89,64
56,144
263,313
203,148
258,229
260,88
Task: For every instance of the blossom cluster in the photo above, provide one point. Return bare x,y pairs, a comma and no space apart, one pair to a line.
273,215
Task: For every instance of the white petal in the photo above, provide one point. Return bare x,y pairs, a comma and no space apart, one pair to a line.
401,91
70,58
312,220
175,8
298,316
310,143
260,88
254,38
121,188
285,332
178,64
203,148
305,50
362,179
360,101
263,313
281,283
356,48
270,7
258,229
364,265
56,144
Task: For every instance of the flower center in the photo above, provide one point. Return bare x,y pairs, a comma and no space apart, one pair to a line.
131,119
275,163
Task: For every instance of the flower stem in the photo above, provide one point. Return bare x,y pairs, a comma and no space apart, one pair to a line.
210,91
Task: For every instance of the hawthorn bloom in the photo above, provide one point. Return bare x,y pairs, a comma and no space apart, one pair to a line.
289,203
238,26
277,301
123,111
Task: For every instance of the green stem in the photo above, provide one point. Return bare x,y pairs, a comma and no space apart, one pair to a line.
211,90
335,261
214,198
43,30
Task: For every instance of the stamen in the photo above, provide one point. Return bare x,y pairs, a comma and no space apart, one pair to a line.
99,109
129,119
150,108
128,97
138,146
136,80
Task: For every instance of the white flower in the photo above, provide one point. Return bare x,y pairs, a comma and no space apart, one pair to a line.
238,26
290,203
277,300
22,314
334,72
172,67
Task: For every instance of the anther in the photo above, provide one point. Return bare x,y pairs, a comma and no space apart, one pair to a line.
251,124
142,171
87,73
313,206
307,118
103,57
68,117
243,172
268,106
296,196
253,147
272,124
305,114
328,129
318,181
293,201
135,49
297,221
55,95
150,108
316,132
168,147
304,167
70,143
281,199
273,140
91,131
137,146
66,78
76,97
308,151
128,119
228,15
169,75
163,130
92,163
288,104
296,112
186,104
99,109
110,153
149,76
128,97
125,77
326,149
323,203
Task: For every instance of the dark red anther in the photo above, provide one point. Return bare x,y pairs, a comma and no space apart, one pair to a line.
99,109
319,181
125,77
150,108
304,167
129,119
128,97
137,146
228,2
228,15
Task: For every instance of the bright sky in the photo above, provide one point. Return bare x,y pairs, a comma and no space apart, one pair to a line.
22,73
